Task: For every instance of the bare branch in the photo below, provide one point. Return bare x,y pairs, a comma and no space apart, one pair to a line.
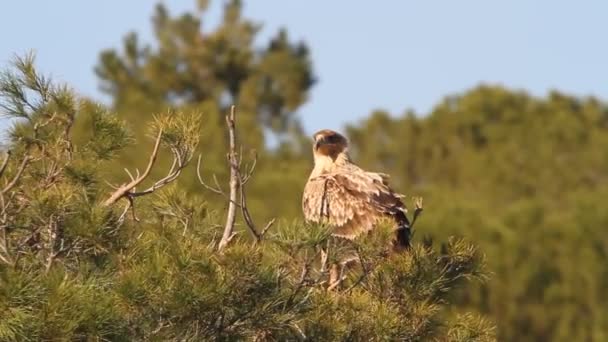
303,275
216,189
324,259
236,183
181,158
418,210
5,163
217,184
130,175
111,185
121,218
54,246
247,216
174,172
364,271
337,279
5,253
132,206
124,189
15,179
251,170
234,180
249,221
268,225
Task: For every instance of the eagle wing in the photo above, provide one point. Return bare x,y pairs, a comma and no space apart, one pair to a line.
352,201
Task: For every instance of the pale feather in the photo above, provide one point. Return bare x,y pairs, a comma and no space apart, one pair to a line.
351,200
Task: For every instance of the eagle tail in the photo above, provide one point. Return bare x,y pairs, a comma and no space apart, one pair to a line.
403,233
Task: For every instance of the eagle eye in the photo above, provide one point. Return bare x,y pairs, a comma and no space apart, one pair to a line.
332,139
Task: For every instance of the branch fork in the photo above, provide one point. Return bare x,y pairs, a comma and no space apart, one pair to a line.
237,183
128,190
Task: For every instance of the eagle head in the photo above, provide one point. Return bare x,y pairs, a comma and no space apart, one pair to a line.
328,143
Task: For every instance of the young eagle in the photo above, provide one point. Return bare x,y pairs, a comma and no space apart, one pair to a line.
348,198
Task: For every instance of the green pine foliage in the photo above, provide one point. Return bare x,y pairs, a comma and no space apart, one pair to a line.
524,177
76,266
521,177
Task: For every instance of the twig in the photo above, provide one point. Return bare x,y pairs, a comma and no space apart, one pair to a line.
268,225
250,171
336,283
6,258
301,281
121,218
111,185
217,189
417,211
364,271
54,250
324,258
247,216
248,220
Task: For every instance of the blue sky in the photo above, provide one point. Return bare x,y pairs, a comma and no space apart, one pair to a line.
393,55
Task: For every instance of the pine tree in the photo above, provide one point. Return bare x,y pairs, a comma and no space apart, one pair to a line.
522,176
82,261
193,68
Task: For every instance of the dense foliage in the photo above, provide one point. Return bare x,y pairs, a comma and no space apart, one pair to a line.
75,265
525,178
522,177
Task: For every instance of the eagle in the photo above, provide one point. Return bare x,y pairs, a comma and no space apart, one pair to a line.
349,199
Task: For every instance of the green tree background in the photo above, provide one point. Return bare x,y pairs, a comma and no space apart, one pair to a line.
522,177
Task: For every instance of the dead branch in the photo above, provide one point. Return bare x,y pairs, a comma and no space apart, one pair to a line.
237,184
5,163
56,243
122,216
336,277
174,172
216,188
17,176
417,211
364,271
6,257
301,282
247,217
128,190
250,170
324,259
4,250
267,226
234,179
125,189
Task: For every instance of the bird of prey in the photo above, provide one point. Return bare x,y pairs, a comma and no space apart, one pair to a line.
347,198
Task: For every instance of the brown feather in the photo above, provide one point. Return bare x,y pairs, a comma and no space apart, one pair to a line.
350,199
